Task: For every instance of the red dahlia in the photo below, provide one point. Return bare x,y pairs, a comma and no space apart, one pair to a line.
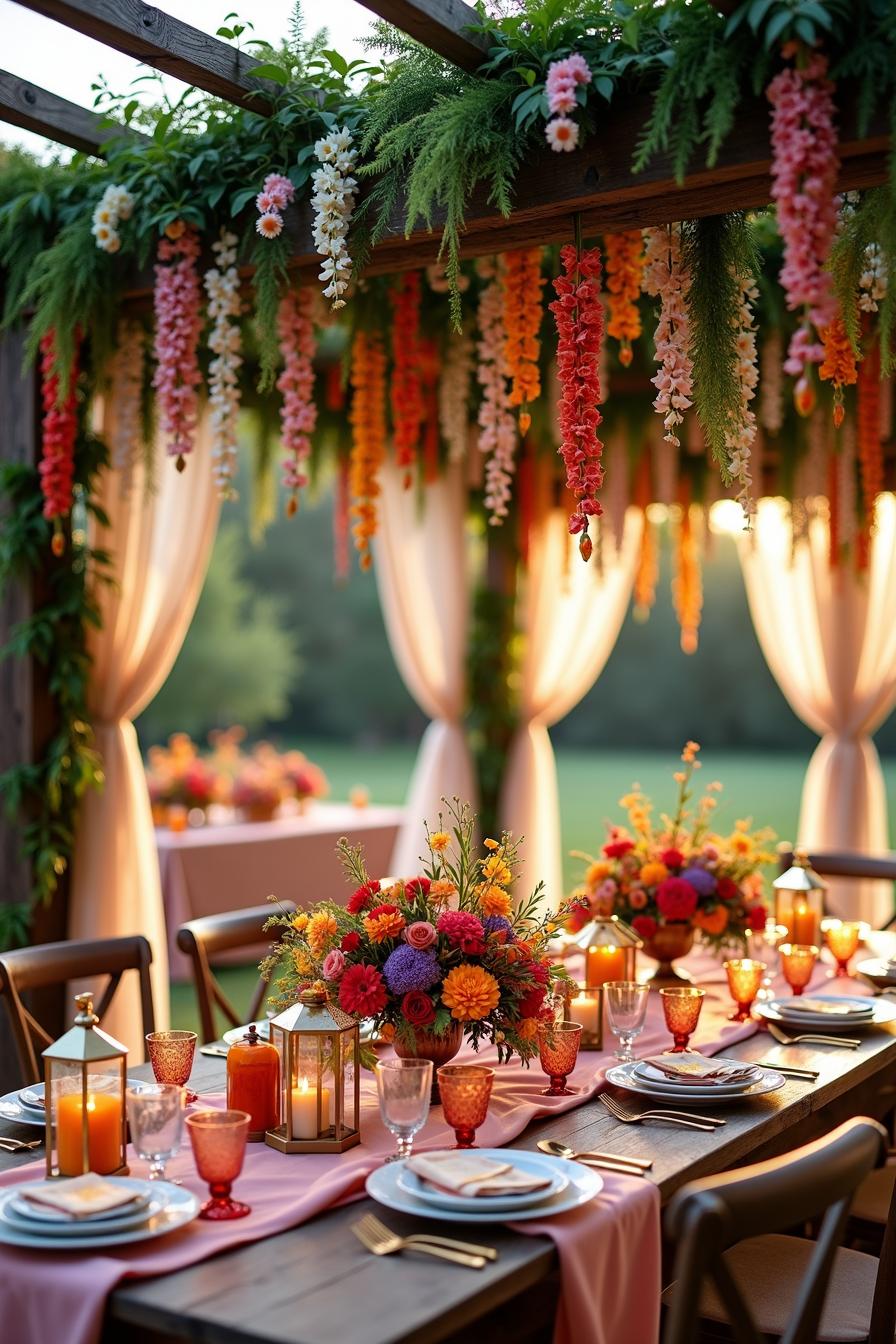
617,849
362,991
727,889
676,899
360,899
645,926
351,942
672,858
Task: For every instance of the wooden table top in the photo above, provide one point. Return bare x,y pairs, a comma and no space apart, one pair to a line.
315,1284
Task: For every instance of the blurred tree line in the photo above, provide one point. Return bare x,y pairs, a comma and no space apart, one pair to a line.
279,647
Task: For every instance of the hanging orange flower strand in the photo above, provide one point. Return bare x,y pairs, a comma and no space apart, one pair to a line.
687,585
522,284
839,364
624,265
368,422
406,390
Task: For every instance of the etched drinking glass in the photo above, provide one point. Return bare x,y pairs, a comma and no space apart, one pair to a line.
681,1009
404,1087
171,1056
626,1005
558,1049
843,938
156,1120
465,1090
744,979
797,964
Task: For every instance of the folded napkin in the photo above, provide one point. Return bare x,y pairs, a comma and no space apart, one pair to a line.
827,1007
700,1070
468,1174
81,1196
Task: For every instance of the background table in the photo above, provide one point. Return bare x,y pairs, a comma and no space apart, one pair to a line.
211,869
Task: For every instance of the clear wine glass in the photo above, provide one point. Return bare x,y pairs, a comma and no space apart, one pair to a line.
626,1005
156,1119
404,1087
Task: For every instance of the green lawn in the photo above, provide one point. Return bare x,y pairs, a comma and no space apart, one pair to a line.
763,786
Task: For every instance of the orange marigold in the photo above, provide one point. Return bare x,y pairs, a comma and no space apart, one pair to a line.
653,873
527,1030
441,891
597,872
387,1033
839,365
522,283
300,922
439,841
624,266
383,926
321,931
494,900
470,992
368,422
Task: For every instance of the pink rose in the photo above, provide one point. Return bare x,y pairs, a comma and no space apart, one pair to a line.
420,934
607,889
334,965
637,898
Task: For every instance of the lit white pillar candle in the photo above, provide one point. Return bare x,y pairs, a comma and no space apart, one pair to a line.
584,1009
304,1110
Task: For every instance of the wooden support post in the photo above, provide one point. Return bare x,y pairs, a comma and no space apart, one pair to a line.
35,109
167,44
438,24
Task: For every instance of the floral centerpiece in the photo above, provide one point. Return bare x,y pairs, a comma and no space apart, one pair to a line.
430,958
301,777
178,775
676,876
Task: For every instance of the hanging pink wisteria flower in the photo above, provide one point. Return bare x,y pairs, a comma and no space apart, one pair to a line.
580,329
275,195
739,439
666,278
176,300
804,179
497,422
563,79
298,415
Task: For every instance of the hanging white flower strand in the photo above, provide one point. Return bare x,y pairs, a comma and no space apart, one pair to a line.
125,400
115,204
222,285
454,394
873,280
497,422
739,441
298,415
334,202
666,278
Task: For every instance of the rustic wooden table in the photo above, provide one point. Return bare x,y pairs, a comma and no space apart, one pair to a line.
315,1284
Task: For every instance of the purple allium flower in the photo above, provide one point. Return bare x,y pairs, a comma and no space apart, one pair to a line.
498,924
703,882
408,968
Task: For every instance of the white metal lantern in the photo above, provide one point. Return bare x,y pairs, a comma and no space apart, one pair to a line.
84,1099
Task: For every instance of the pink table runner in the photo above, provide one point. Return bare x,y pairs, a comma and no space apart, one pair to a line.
609,1250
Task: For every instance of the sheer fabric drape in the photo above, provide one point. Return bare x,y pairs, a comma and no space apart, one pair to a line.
421,566
829,638
160,540
570,615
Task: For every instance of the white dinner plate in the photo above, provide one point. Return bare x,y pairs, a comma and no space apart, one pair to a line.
32,1098
12,1109
32,1218
883,1011
649,1074
412,1184
583,1184
624,1075
878,970
835,1006
180,1207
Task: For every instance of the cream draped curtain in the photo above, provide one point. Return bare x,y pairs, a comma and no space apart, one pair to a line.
570,614
160,538
422,577
829,638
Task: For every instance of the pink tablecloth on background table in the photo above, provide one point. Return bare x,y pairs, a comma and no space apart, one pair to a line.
609,1250
211,869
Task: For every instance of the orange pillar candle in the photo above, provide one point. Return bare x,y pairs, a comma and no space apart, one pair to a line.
103,1133
604,964
804,924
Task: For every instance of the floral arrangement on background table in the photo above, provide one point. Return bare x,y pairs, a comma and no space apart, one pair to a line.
673,878
255,782
430,958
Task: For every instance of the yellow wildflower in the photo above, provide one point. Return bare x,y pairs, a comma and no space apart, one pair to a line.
491,844
495,870
321,932
741,844
494,899
300,922
439,841
302,962
470,992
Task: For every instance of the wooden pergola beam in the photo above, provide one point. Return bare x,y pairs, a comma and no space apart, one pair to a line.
156,38
35,109
437,24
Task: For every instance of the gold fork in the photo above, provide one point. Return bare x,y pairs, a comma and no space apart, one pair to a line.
378,1239
469,1247
627,1117
19,1145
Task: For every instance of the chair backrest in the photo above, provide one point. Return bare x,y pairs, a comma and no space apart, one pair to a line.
832,863
47,964
708,1216
201,940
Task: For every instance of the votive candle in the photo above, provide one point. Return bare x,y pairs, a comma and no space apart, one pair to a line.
103,1133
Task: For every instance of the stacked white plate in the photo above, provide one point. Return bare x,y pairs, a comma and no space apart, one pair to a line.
571,1184
26,1105
158,1208
648,1081
827,1013
879,970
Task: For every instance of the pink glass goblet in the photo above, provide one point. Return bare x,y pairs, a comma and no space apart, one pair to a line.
465,1090
558,1050
681,1009
744,979
171,1056
219,1145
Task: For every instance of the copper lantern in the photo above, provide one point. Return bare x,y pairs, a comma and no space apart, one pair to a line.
320,1066
799,901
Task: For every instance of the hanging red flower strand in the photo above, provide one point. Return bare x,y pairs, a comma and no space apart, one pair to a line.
579,317
406,392
59,432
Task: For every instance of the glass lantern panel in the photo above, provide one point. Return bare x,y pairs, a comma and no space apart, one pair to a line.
86,1101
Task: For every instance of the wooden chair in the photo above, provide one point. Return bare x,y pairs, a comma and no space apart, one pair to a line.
47,964
738,1278
828,863
202,939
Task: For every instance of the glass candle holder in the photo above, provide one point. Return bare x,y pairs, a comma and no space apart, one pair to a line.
465,1090
558,1049
171,1056
626,1003
843,938
219,1140
404,1087
681,1009
797,964
744,979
